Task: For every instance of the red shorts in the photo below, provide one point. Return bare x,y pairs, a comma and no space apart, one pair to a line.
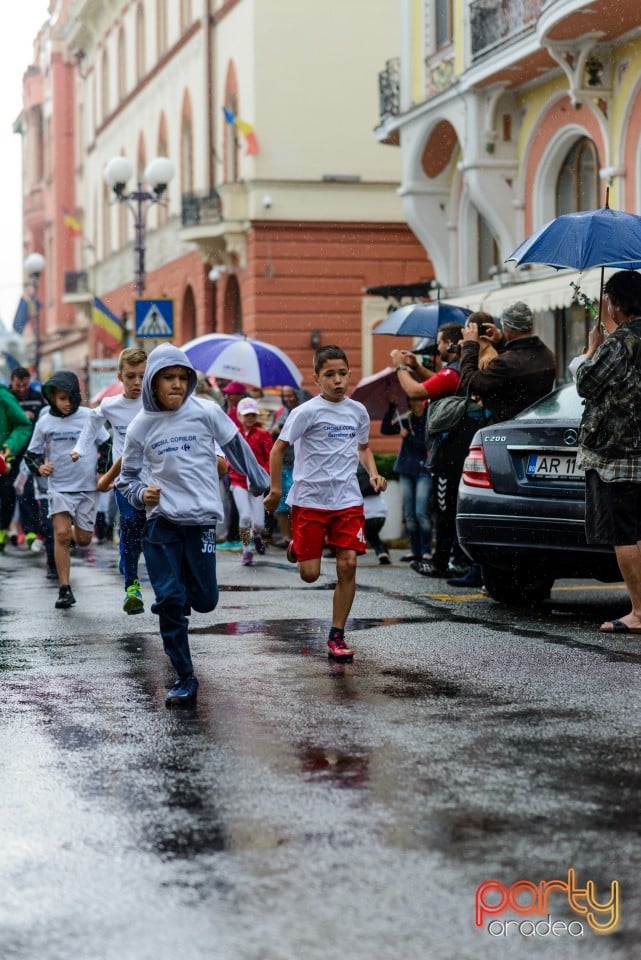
312,529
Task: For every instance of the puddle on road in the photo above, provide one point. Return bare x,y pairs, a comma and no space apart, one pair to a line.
330,764
417,684
286,630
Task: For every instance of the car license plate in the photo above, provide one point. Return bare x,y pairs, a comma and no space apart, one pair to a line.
550,465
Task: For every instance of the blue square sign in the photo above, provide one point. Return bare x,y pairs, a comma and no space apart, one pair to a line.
155,318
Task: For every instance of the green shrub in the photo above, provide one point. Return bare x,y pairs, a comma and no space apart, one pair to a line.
385,465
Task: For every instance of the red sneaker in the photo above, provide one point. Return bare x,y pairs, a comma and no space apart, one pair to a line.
291,553
338,649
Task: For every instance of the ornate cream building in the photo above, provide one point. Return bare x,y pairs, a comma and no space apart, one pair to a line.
509,113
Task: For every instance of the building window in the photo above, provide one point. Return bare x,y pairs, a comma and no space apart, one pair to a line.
122,65
442,23
185,14
104,85
488,251
230,143
577,186
141,160
187,155
161,26
106,220
140,42
162,209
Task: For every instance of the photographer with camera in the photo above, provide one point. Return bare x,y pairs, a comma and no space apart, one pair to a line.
523,371
448,560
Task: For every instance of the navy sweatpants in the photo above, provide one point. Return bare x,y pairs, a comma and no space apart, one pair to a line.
181,563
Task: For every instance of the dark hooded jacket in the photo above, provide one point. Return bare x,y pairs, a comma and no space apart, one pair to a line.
67,381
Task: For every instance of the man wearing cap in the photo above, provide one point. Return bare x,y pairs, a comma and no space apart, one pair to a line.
523,372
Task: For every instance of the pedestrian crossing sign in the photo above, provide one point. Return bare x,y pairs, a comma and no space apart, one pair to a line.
155,318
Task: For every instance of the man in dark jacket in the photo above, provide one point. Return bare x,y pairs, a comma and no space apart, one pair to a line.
523,372
610,437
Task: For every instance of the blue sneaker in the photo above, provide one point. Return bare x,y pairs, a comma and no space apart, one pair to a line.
183,693
229,545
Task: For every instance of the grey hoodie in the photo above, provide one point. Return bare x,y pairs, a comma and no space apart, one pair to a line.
175,450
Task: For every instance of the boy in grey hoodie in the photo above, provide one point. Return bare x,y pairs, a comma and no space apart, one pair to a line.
169,467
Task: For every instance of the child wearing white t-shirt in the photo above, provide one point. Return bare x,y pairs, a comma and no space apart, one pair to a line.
330,434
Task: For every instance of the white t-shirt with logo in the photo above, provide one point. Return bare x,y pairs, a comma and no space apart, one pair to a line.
119,412
326,437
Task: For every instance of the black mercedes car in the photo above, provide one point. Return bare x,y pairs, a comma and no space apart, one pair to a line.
521,503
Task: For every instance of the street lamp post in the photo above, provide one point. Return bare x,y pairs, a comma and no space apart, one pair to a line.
158,174
34,265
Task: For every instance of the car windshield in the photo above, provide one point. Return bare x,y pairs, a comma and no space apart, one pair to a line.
561,404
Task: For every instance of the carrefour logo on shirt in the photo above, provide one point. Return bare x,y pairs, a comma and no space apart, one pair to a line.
173,444
339,431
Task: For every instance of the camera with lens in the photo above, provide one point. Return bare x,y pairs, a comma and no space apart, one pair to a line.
431,350
483,329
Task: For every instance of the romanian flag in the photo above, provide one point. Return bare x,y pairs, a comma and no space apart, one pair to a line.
251,140
106,324
71,223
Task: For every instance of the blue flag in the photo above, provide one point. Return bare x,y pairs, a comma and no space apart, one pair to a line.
22,317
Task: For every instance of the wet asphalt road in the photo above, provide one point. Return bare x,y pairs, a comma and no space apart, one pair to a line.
304,810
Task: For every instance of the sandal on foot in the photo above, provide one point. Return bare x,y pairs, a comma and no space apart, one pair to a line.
618,626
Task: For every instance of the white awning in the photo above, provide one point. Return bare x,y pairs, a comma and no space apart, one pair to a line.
546,293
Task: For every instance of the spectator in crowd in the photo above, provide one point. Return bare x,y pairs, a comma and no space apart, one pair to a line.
16,428
375,511
205,390
607,375
415,481
233,392
523,371
448,558
290,399
506,370
251,509
32,402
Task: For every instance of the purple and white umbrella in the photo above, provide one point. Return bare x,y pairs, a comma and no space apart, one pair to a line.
235,357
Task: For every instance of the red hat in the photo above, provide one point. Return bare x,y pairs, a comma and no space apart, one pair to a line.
234,387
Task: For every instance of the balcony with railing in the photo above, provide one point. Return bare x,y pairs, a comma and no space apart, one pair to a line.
494,23
201,209
389,89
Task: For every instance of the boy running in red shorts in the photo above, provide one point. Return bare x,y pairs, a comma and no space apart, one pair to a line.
330,434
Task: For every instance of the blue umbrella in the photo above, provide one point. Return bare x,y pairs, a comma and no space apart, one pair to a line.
241,358
589,238
422,319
